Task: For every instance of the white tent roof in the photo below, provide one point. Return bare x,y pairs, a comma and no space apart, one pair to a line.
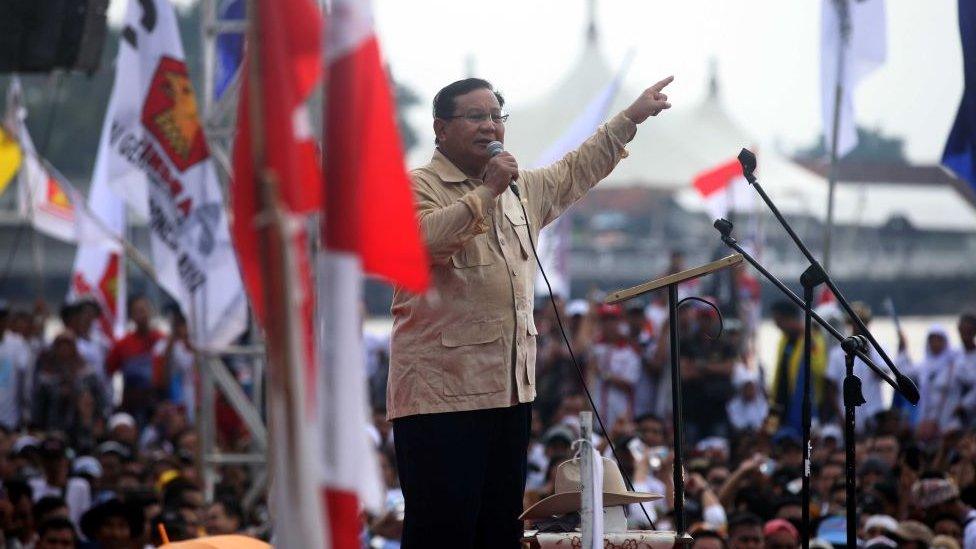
671,149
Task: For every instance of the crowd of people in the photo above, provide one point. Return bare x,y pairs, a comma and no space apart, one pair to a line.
98,446
916,466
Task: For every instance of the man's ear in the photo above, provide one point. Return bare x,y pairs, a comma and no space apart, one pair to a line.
439,127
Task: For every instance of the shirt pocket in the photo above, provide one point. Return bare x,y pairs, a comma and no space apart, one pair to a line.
516,219
473,358
474,253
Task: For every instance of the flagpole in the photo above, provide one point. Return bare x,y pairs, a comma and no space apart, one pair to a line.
272,230
843,17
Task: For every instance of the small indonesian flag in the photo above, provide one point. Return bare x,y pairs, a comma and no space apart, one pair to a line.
721,188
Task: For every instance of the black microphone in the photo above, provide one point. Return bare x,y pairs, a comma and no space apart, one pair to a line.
855,343
495,148
724,226
748,162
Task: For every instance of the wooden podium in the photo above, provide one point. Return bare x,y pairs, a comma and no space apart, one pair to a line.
671,283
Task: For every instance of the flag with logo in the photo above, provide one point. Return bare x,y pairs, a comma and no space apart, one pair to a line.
272,247
370,226
99,271
42,197
10,158
858,29
959,155
156,156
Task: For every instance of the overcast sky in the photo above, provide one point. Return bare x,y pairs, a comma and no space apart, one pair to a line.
767,53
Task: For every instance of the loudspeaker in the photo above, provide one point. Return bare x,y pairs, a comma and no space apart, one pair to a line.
42,35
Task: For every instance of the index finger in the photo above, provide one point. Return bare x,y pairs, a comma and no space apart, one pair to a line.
660,85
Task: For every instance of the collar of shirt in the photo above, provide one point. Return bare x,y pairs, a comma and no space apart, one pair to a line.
445,169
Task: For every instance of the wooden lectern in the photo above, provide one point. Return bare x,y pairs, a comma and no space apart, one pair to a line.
671,282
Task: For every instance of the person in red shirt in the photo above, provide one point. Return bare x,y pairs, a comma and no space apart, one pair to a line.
133,356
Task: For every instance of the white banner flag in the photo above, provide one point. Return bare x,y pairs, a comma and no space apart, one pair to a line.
41,197
155,155
99,268
864,52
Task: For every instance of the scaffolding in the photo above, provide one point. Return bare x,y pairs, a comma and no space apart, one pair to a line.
216,377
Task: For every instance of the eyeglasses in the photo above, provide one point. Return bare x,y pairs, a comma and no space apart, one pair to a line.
477,117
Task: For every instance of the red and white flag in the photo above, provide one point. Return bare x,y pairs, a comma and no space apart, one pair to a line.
370,226
723,189
289,57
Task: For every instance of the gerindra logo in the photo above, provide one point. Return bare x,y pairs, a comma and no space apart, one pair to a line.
170,115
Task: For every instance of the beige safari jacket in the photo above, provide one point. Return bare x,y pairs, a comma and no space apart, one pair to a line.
469,343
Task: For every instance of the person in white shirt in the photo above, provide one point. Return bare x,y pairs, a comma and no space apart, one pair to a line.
870,382
93,345
15,365
176,356
617,366
55,482
748,409
948,386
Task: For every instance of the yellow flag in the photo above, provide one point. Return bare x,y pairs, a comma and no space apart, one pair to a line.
10,156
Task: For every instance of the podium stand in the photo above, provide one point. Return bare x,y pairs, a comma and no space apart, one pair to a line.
671,283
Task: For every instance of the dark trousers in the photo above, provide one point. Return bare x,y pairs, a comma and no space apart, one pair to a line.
463,477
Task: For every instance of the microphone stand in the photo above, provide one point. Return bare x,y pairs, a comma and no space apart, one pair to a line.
813,276
725,227
902,383
853,397
810,279
809,283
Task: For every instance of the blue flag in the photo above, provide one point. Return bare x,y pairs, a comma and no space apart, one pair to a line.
960,149
230,46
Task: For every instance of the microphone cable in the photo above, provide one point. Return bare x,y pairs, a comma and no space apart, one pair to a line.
572,355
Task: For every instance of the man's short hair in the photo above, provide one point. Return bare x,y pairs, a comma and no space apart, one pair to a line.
18,489
136,297
646,416
232,508
968,316
46,505
444,100
56,523
785,309
68,312
175,490
744,520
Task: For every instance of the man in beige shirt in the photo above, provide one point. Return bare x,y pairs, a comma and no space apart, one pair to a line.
462,363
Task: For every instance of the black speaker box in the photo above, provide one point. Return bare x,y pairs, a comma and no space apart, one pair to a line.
43,35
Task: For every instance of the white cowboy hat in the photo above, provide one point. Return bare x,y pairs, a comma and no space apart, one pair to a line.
568,496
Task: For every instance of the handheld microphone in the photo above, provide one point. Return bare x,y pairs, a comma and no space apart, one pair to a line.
495,148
